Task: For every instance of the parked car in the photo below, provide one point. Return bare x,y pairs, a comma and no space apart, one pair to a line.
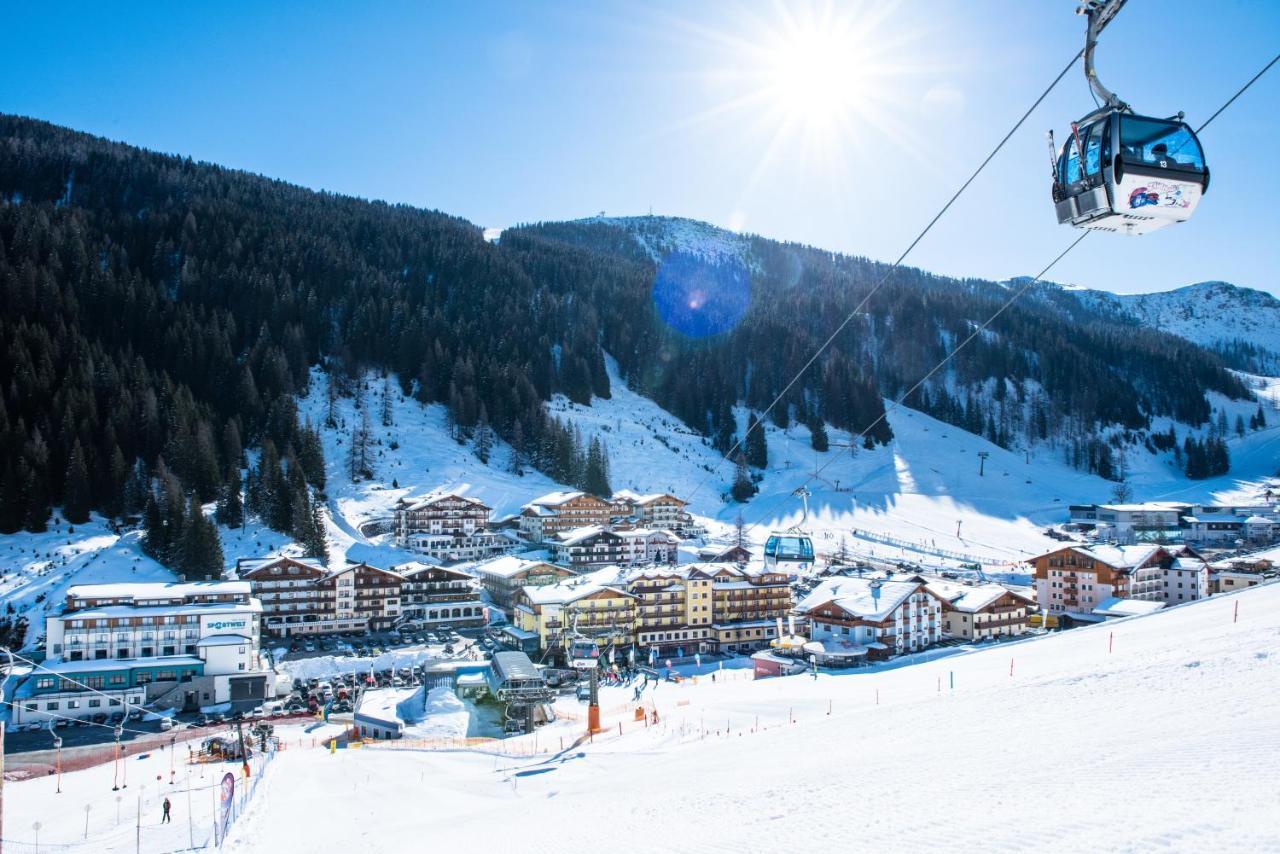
166,724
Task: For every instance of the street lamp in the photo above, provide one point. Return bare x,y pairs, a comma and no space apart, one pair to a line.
115,773
57,745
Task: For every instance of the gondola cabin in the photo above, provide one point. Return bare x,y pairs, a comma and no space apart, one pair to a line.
788,552
584,654
1137,173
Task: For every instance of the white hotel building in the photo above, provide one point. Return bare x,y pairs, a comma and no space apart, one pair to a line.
180,646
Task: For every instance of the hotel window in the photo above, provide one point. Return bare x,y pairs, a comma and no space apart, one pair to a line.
51,707
94,704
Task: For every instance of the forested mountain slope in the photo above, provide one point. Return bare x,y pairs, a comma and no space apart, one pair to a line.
162,315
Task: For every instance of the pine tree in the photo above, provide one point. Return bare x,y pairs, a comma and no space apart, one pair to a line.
483,441
596,477
76,498
739,531
757,447
230,504
818,435
1239,425
743,488
386,402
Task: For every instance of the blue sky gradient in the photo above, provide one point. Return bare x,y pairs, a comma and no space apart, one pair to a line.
518,112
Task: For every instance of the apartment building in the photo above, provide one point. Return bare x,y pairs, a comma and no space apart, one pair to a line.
980,611
706,607
110,646
653,510
300,596
852,620
439,596
503,577
593,608
1076,580
595,546
555,512
441,513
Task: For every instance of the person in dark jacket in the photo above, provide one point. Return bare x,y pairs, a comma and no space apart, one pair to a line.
165,806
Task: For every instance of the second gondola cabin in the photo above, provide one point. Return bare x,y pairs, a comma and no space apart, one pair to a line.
1129,174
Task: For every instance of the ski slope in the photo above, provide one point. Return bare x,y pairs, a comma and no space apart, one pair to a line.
1163,743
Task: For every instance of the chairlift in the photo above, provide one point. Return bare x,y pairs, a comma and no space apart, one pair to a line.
1119,171
792,548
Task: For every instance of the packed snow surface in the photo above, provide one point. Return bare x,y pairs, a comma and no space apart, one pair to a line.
1157,744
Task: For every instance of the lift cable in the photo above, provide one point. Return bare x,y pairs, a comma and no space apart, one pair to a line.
885,277
1014,298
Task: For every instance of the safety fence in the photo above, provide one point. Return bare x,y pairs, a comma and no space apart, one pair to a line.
204,808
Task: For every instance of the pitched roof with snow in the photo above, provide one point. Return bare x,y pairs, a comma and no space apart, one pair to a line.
249,564
1116,607
508,566
431,498
158,590
969,598
1121,557
555,499
858,597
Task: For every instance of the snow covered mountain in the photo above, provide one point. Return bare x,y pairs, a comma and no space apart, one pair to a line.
1241,323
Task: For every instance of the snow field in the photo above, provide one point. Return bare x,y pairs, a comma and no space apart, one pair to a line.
1153,745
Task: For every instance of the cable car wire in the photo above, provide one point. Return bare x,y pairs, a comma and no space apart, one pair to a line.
1241,91
1014,298
887,274
36,665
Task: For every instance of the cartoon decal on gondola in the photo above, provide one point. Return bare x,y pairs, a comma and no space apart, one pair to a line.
1158,194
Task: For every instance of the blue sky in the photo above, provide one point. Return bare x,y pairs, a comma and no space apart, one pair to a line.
507,113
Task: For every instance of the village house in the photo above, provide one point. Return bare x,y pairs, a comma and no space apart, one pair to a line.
980,611
653,510
441,513
703,607
594,546
550,514
1243,571
853,620
503,577
300,596
1074,581
593,608
438,596
450,528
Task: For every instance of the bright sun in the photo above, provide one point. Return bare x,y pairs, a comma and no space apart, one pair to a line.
816,75
807,82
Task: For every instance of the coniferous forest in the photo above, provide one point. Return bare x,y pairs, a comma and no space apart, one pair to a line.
161,316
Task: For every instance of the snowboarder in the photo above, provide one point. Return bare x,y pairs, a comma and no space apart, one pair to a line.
165,806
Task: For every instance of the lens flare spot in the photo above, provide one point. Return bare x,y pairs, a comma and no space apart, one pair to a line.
700,298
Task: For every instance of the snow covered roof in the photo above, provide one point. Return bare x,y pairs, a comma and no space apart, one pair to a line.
554,499
1147,506
413,567
577,535
966,597
249,564
431,498
136,590
578,587
641,500
223,640
1115,607
508,566
1121,557
855,595
1215,517
204,608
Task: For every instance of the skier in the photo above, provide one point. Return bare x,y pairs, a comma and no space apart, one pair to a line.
165,806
